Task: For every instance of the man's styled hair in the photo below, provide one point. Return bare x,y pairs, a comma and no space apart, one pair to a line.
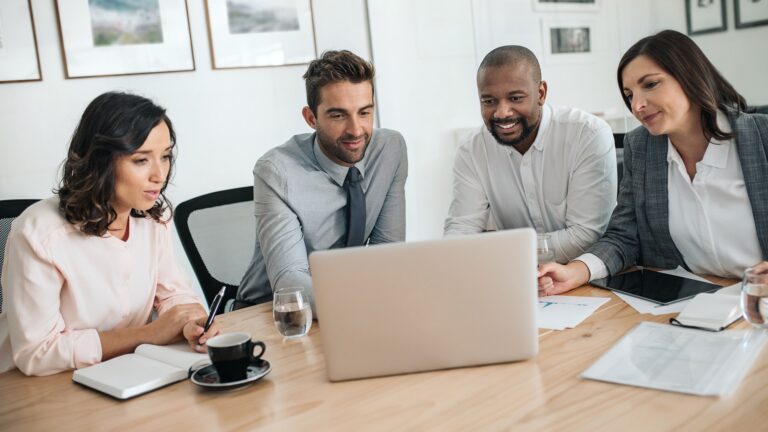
511,54
333,67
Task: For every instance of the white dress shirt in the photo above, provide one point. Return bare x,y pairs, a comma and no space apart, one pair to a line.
564,185
710,218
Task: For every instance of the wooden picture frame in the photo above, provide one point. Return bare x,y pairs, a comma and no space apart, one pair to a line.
260,33
103,38
19,57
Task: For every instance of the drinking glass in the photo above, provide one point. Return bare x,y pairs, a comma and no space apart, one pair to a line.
544,251
292,312
754,295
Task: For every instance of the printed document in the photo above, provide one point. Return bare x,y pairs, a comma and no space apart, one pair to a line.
670,358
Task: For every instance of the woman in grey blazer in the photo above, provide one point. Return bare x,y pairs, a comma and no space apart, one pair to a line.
695,186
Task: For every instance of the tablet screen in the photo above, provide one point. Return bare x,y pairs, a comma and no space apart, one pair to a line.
654,286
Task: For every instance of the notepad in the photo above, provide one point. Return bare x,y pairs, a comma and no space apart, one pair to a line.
713,312
148,368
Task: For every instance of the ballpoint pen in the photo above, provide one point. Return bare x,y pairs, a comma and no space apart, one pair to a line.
214,308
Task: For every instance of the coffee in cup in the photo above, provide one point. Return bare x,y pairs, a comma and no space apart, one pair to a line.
231,353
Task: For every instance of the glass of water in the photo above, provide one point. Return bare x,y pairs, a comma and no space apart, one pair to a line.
292,312
544,251
754,295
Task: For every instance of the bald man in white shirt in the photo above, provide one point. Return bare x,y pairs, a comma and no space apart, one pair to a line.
532,165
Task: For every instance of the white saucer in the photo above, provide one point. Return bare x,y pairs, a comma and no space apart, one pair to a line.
209,378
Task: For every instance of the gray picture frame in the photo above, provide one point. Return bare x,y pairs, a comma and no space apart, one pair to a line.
741,22
691,15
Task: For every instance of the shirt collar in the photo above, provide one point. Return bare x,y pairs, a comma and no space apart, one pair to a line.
338,173
717,151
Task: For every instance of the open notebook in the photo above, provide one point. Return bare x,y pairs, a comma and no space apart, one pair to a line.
148,368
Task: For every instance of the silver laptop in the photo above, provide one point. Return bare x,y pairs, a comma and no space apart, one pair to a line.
410,307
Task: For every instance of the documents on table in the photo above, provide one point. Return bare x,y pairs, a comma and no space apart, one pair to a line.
677,359
561,312
645,306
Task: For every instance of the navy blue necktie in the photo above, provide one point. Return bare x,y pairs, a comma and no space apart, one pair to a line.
355,208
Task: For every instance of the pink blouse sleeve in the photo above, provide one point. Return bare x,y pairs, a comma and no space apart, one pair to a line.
40,342
173,288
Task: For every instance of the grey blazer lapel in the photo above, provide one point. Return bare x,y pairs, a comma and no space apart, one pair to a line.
754,165
657,198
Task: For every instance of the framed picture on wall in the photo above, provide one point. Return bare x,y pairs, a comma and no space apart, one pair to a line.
569,41
108,37
19,60
705,16
257,33
750,13
566,5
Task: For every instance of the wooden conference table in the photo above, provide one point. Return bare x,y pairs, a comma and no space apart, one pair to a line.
545,393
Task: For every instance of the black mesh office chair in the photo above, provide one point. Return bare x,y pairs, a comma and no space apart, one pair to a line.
218,233
9,210
618,140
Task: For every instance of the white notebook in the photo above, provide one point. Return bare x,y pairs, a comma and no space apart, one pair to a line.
148,368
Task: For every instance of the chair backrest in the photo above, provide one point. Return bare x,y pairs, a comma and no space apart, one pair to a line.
218,233
9,210
618,141
761,109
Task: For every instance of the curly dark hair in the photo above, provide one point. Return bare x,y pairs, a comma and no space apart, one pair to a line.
113,125
333,67
679,56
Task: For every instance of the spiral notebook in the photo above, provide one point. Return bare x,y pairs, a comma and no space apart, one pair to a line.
148,368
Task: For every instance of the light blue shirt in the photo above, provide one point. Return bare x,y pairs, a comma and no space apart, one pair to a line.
300,207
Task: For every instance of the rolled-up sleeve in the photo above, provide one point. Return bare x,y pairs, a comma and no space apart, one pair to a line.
390,225
470,207
279,231
40,341
172,287
591,197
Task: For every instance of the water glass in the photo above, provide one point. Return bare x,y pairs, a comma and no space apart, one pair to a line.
544,251
292,312
754,295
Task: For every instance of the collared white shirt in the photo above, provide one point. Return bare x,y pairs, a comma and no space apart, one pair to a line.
710,218
564,185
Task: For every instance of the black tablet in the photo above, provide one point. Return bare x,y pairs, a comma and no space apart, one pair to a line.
657,287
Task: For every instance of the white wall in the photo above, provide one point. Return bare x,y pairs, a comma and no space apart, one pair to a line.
224,119
426,53
426,78
741,55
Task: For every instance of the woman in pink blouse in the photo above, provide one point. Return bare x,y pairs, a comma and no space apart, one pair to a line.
85,269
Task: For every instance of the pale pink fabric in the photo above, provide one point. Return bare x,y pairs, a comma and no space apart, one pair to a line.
61,287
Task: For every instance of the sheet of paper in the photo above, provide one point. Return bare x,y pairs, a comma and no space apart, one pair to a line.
671,358
647,307
561,312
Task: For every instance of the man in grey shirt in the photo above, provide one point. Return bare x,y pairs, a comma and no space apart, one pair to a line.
343,185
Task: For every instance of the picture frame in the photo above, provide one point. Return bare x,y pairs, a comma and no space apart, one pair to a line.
106,38
569,41
750,13
705,16
19,57
260,33
566,5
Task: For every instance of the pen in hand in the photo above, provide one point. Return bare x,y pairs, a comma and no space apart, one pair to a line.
214,308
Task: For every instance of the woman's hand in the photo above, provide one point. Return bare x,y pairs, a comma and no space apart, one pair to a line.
196,338
556,278
167,328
